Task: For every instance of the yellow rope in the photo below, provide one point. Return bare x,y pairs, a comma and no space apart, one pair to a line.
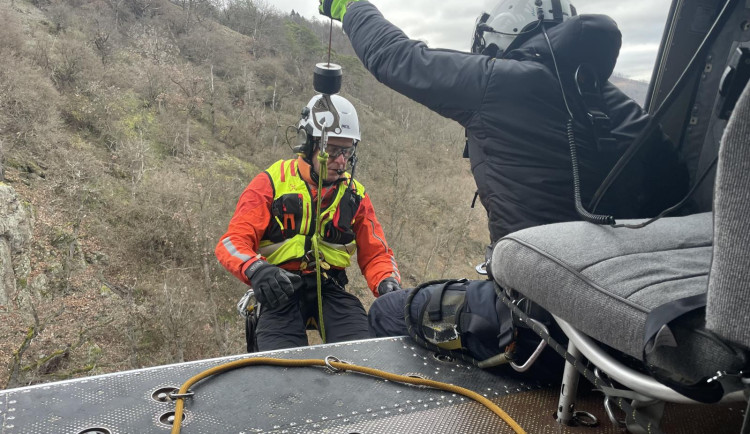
343,367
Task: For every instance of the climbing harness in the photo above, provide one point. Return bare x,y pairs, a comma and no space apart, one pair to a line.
334,365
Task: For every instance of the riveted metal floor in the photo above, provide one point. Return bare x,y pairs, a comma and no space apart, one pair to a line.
262,399
268,399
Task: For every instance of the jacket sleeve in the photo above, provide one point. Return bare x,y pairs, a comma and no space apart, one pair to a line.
452,83
237,248
374,256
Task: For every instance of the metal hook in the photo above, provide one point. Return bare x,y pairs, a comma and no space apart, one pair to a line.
323,105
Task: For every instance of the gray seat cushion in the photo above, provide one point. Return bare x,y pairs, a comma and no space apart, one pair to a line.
605,281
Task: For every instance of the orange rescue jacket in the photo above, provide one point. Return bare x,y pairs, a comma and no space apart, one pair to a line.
254,224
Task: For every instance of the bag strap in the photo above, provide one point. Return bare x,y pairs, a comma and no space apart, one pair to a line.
590,95
435,305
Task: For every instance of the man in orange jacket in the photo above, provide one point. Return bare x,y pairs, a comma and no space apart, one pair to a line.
269,243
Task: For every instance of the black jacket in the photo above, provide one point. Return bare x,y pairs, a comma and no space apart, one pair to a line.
515,118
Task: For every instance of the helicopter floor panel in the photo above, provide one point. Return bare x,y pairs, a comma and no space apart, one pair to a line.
264,399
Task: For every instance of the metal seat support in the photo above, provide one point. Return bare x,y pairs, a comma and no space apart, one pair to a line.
568,389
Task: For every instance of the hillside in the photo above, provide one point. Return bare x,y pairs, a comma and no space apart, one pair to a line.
129,128
635,89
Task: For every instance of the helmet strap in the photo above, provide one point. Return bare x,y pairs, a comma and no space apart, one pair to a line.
353,161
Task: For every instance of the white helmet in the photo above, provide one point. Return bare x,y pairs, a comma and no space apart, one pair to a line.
494,32
308,131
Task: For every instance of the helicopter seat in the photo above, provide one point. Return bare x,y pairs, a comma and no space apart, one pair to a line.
612,286
605,282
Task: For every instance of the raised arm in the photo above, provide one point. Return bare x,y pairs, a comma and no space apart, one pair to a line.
451,83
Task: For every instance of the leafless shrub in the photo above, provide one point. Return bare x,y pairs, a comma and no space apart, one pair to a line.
42,52
134,155
11,38
61,17
141,8
28,103
68,65
153,43
102,42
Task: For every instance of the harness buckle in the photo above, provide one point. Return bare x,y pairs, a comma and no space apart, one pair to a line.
308,262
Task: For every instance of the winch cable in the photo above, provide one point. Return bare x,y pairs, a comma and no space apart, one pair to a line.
334,365
330,39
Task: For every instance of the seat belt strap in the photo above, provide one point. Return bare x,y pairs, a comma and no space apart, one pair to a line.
657,321
657,333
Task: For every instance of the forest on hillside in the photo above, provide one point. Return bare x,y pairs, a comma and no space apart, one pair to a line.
128,129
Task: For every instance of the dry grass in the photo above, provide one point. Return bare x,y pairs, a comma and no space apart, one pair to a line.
132,164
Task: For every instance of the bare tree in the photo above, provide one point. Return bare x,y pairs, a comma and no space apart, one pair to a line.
134,155
102,43
190,98
2,167
263,12
117,9
211,103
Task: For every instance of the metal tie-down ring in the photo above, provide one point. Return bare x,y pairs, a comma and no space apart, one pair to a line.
188,394
584,418
332,368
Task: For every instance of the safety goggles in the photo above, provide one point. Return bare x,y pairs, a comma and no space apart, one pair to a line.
334,151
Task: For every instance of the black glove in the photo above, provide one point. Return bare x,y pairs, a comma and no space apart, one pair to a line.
389,284
272,284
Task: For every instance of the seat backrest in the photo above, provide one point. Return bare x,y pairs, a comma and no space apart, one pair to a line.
729,282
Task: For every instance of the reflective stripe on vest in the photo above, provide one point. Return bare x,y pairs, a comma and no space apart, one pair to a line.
285,179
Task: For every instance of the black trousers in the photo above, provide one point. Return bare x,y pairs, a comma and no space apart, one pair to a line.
484,335
386,317
344,317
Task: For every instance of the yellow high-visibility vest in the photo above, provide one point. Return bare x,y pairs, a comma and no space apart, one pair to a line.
287,237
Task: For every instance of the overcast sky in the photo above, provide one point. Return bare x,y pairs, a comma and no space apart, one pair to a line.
449,23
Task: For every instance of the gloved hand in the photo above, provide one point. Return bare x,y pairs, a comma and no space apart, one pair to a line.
334,8
272,284
389,284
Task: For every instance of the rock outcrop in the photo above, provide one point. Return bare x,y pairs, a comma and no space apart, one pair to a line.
15,235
